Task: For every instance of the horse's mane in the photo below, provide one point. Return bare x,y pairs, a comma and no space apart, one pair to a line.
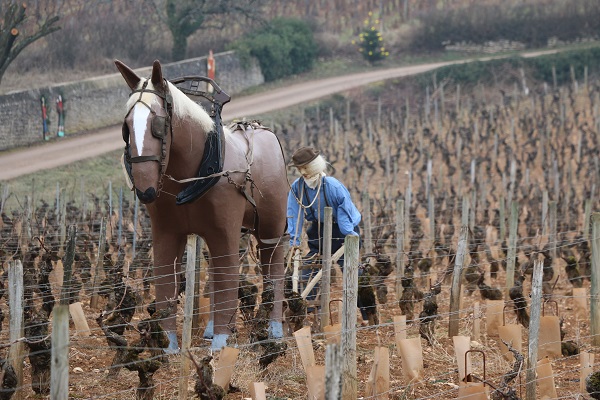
182,105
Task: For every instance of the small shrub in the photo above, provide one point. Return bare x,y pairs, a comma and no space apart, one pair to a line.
370,42
284,47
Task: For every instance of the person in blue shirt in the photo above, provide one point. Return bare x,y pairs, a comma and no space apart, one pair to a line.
307,199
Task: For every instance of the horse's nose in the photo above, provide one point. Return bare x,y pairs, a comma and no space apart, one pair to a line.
147,196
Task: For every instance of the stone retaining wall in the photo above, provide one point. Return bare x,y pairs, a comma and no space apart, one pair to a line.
100,102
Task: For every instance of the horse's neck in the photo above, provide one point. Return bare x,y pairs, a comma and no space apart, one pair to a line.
187,146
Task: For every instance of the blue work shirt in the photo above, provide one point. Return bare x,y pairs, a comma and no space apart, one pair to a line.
332,194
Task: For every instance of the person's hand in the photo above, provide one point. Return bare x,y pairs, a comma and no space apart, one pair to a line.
292,252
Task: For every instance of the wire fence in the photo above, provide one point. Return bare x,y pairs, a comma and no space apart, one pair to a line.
471,165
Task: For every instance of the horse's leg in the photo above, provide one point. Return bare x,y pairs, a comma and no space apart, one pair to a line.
224,253
167,248
271,258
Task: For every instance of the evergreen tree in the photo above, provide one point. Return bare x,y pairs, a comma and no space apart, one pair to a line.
371,42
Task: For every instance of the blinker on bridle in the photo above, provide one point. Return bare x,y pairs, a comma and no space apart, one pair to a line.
159,128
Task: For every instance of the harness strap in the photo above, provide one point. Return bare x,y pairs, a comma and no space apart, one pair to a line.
144,158
310,204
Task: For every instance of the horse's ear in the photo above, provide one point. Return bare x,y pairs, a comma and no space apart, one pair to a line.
157,77
130,77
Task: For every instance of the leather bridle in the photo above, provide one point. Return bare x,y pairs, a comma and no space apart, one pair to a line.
160,128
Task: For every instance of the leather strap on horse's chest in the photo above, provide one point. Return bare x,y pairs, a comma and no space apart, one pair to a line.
214,147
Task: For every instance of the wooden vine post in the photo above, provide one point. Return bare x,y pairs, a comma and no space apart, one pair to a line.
15,298
59,373
552,222
594,287
99,266
399,246
366,204
455,291
196,318
326,267
534,329
348,340
333,377
511,255
186,335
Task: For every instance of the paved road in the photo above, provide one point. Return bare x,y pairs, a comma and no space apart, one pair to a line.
25,161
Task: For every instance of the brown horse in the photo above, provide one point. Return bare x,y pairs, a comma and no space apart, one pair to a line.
166,138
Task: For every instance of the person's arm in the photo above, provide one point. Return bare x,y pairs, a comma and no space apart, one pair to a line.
347,215
295,217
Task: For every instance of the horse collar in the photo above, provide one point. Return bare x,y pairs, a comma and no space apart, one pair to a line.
214,146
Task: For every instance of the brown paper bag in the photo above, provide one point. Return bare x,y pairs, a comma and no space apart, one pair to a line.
257,391
511,334
81,326
225,366
411,353
378,384
549,337
580,304
494,312
472,391
545,380
304,343
333,333
400,327
462,344
586,361
315,382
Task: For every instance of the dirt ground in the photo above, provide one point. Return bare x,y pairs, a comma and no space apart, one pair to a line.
90,357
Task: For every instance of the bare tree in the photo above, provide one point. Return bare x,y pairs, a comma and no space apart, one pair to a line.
185,17
14,36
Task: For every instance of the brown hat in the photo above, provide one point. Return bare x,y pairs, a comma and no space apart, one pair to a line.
303,156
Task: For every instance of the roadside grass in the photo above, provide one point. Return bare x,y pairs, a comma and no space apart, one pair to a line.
79,180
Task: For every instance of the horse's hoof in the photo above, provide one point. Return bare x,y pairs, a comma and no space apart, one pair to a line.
209,331
173,345
275,330
219,341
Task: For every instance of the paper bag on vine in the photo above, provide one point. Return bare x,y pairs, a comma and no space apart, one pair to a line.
586,361
549,344
411,353
511,334
315,382
472,391
400,327
493,316
332,332
468,387
545,380
378,384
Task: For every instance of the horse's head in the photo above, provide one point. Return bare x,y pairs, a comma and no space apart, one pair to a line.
146,131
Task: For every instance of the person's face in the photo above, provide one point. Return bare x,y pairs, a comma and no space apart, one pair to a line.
304,172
